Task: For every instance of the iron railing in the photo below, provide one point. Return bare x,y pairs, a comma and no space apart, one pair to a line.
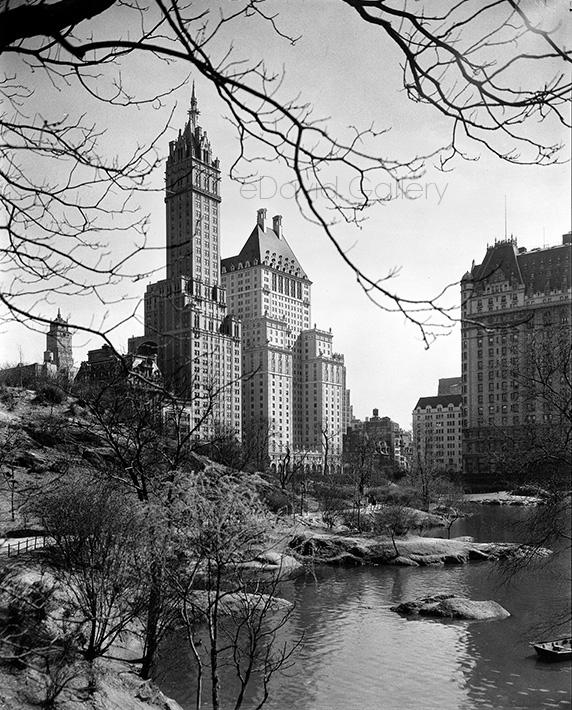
12,549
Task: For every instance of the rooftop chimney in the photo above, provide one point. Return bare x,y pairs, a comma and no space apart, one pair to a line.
376,412
261,217
277,225
567,238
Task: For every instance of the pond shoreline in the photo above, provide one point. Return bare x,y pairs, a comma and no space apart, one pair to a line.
320,547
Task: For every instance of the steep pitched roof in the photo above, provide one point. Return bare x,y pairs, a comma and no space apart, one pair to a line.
444,400
500,261
264,246
539,270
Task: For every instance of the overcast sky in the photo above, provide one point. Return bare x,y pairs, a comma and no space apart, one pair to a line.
348,73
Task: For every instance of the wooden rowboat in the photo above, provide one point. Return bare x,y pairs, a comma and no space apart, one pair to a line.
557,650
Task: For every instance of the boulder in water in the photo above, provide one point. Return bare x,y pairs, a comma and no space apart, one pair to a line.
449,606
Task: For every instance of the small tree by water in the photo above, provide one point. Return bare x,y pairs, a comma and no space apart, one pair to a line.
230,615
393,520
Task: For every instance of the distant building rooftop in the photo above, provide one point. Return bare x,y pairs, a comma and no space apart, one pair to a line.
540,270
268,247
449,385
443,400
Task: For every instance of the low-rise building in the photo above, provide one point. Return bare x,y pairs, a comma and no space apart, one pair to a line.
377,440
437,432
105,366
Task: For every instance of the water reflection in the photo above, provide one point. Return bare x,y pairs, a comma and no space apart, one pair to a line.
358,655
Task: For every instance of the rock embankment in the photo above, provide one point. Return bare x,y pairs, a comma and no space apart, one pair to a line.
506,498
32,614
277,565
337,549
450,606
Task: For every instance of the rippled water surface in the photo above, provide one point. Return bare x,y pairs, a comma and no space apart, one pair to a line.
358,655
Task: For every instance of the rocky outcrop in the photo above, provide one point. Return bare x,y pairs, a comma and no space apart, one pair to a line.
531,497
239,603
449,606
337,549
33,605
275,564
102,684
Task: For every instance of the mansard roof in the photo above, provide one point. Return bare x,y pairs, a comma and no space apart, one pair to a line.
264,246
539,270
444,400
500,262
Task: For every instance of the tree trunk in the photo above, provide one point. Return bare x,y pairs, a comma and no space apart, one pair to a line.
394,545
213,632
90,651
152,624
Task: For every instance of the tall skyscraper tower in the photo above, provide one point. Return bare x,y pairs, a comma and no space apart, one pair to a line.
186,314
516,360
293,382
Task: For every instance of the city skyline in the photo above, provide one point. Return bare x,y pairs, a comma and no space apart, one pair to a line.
285,354
433,231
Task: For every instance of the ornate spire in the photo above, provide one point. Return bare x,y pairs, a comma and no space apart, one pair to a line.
193,111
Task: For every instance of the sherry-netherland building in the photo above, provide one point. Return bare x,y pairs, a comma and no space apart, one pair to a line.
186,314
293,382
516,334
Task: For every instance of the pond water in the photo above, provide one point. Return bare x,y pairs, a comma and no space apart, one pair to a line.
356,654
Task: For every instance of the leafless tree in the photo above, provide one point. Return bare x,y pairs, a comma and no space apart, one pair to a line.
451,506
152,436
433,483
284,469
218,523
361,460
152,432
467,61
142,425
424,476
536,457
300,478
332,501
538,452
9,440
29,640
327,435
255,440
98,552
290,463
395,520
